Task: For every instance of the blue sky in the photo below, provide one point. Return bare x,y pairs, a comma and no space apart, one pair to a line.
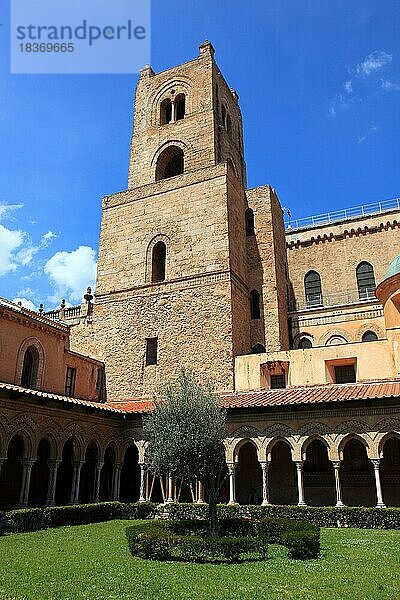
319,87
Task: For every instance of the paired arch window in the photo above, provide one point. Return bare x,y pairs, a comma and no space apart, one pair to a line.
170,163
365,281
158,262
249,220
369,336
313,289
30,368
226,119
255,304
172,110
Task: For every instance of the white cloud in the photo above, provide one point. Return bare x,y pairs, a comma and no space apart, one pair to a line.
390,86
47,238
348,86
71,273
10,241
373,62
25,303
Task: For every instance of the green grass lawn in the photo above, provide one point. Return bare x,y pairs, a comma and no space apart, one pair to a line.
92,562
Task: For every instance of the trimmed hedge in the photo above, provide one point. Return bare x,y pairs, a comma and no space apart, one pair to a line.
187,539
33,519
325,516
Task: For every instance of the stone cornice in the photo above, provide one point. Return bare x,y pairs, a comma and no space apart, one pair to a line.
35,321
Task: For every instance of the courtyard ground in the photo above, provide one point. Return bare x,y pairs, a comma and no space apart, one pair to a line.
92,562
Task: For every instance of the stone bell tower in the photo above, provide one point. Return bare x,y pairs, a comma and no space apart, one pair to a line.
172,287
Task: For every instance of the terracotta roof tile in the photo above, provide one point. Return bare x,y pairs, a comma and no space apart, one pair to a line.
8,387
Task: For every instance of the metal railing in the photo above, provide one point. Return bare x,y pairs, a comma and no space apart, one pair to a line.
342,215
329,300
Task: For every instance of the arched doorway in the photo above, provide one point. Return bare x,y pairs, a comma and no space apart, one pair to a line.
318,476
65,474
248,476
282,475
107,475
130,475
357,475
40,475
88,479
390,471
11,473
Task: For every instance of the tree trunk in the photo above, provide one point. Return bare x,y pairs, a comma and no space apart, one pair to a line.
213,515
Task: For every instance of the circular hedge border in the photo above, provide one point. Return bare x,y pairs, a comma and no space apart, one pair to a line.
187,540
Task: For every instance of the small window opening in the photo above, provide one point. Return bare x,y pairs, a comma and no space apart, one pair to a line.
151,351
159,257
313,289
305,343
369,336
345,374
70,382
249,220
170,163
180,107
30,368
255,304
278,382
166,112
101,384
365,281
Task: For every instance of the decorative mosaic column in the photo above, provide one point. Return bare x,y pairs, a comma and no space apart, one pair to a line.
264,467
116,481
99,467
300,485
200,492
170,485
76,481
376,463
232,483
338,485
142,493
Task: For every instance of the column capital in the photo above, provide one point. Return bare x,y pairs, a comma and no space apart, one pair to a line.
28,462
231,467
54,462
336,464
299,464
376,462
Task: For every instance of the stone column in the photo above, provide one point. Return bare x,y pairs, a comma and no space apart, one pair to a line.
376,463
300,486
170,491
338,484
200,492
265,466
142,493
51,488
232,483
173,111
76,481
26,480
116,481
97,481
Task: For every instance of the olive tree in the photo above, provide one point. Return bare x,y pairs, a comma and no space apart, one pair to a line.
185,435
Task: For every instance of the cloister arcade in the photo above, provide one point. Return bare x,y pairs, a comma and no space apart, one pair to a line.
349,469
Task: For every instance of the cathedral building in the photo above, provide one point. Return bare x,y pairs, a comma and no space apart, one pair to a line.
297,321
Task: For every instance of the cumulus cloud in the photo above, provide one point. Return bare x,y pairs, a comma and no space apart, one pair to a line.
10,241
71,273
373,62
371,129
25,303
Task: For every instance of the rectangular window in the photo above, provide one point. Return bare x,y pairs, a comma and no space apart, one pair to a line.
345,374
278,382
70,382
151,351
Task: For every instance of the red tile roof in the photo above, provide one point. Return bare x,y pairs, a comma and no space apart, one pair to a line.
299,395
8,387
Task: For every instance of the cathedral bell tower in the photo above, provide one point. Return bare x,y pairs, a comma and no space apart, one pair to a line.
173,257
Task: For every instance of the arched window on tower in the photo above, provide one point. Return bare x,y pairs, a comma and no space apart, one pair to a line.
170,163
223,115
249,220
166,112
158,262
255,304
313,289
30,368
180,107
369,336
229,124
365,281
